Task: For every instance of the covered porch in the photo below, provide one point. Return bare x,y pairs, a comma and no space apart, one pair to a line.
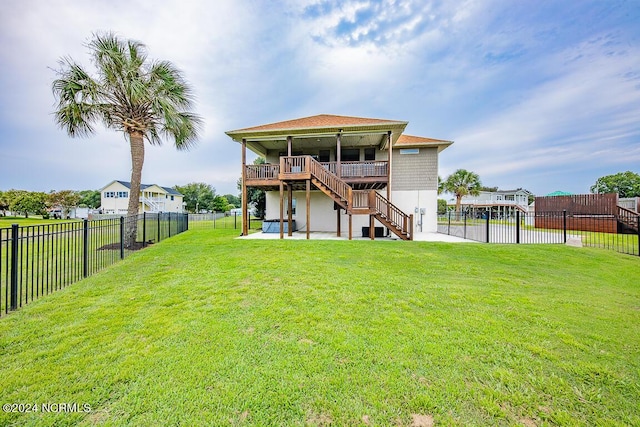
337,155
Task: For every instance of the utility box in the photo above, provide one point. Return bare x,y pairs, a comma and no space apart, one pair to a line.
379,232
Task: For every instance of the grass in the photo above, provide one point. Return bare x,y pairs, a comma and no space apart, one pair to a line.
51,253
204,329
7,221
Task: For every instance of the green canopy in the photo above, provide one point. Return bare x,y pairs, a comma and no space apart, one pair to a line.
560,193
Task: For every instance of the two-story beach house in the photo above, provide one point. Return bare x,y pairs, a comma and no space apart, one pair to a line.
335,173
114,198
501,203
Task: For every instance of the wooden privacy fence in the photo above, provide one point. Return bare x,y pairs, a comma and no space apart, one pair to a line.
585,212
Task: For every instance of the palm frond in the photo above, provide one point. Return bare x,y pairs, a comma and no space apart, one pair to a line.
129,94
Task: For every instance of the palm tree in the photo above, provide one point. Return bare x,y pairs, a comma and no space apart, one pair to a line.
462,183
144,99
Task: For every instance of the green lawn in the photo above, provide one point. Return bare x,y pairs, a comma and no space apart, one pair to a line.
7,221
204,329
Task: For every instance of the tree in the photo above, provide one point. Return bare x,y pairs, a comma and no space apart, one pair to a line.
256,196
442,206
4,203
220,204
462,183
65,200
197,196
29,202
626,184
90,198
143,99
233,200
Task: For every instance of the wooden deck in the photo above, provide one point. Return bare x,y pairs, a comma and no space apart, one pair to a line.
365,175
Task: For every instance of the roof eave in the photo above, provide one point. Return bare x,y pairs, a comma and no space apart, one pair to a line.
441,145
275,134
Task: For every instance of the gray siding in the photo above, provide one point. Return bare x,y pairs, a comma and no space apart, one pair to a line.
415,171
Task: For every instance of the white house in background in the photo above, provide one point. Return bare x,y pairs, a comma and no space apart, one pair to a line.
341,174
114,198
502,202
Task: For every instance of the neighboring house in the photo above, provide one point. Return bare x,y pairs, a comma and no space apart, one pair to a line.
326,171
502,203
114,198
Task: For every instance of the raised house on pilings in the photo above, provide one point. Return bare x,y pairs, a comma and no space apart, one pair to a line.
337,173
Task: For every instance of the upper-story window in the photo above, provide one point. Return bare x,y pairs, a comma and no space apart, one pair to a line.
109,194
369,153
350,155
324,155
123,194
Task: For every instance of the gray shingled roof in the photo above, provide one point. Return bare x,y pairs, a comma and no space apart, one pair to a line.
143,186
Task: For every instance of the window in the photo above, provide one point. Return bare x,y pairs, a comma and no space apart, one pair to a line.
409,151
123,194
369,153
350,155
324,156
172,198
109,194
293,153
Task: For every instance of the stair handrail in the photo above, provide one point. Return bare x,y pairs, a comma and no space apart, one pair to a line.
627,216
153,204
330,180
393,214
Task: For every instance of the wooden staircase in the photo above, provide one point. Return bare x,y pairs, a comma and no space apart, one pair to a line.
628,221
361,202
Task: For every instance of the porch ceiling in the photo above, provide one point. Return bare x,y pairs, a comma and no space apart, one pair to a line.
320,132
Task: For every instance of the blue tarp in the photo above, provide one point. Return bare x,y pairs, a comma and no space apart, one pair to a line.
273,226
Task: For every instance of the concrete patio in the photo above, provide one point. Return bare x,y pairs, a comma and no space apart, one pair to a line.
318,235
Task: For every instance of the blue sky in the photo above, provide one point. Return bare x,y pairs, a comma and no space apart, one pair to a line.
543,95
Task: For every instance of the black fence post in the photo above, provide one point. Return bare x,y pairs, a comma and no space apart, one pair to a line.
488,219
517,226
465,223
638,230
85,248
235,220
169,227
121,237
144,229
14,266
564,225
449,226
158,214
186,222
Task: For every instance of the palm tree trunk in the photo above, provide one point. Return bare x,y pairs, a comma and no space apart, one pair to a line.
136,142
458,203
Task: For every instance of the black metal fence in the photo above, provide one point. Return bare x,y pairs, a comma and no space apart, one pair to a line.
619,233
36,260
229,220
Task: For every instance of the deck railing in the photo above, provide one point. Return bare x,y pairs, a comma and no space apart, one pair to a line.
265,171
361,199
297,164
367,168
294,164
